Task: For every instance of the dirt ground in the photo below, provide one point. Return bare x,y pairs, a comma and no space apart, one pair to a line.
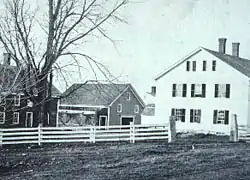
210,159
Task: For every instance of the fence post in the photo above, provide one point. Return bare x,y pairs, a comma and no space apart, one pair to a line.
39,134
234,129
172,129
1,138
94,132
132,132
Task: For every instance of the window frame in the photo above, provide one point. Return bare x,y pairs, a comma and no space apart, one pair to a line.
179,114
214,65
3,121
136,109
193,65
224,121
179,93
128,96
188,66
204,65
2,100
195,116
194,94
18,118
106,120
117,108
17,100
219,87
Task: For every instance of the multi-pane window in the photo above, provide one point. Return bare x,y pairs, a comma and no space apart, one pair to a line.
136,109
128,96
204,65
195,115
198,90
179,114
214,65
179,90
2,100
119,108
17,100
221,117
188,66
16,118
194,66
222,90
2,117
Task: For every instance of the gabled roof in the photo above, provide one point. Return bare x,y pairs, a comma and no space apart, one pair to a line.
12,81
96,94
240,64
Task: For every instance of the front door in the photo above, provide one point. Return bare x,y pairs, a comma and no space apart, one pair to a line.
127,120
29,119
102,120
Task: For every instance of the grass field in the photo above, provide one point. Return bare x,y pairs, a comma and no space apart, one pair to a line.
211,159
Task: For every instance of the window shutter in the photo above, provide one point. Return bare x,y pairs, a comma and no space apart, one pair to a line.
192,90
199,114
191,115
172,112
215,116
226,117
227,90
204,66
188,66
203,90
183,113
184,90
174,90
216,90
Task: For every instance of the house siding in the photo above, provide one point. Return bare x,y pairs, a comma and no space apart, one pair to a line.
224,74
127,109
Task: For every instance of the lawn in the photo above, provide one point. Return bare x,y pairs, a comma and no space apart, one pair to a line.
210,159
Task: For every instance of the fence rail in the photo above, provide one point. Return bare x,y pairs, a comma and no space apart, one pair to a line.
90,134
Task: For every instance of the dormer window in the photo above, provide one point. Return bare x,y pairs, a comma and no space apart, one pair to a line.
17,100
128,96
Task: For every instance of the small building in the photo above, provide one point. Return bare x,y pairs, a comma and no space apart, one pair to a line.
100,104
16,108
205,89
148,114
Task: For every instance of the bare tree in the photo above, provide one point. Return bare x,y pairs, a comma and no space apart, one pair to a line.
66,25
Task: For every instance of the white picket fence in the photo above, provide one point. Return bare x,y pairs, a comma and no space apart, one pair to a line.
90,134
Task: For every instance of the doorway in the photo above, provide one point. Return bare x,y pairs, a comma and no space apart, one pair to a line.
127,120
29,119
102,120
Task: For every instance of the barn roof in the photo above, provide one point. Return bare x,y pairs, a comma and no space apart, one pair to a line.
97,94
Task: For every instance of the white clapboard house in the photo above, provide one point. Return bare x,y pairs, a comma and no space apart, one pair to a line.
204,89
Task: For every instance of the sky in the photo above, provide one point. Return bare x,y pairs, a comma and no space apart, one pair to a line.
161,32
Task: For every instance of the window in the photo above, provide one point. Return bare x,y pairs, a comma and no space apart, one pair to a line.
222,90
188,66
179,90
128,96
194,65
16,118
2,100
2,117
102,120
17,100
204,66
221,117
195,115
179,114
119,108
136,109
198,90
214,66
29,119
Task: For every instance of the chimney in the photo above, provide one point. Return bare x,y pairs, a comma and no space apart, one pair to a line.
222,45
153,90
235,49
6,59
